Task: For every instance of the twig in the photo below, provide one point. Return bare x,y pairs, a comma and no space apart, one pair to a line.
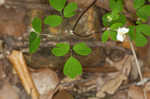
17,59
136,60
137,64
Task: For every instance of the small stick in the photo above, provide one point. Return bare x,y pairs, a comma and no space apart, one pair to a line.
17,59
136,60
137,64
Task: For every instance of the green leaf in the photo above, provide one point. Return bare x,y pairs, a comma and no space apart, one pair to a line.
121,19
115,26
115,15
115,19
113,35
37,24
57,4
105,36
140,40
107,19
138,3
69,10
131,32
116,5
34,42
82,49
143,28
53,20
72,67
143,12
61,49
139,21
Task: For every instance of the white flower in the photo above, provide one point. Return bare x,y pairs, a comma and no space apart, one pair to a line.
121,33
31,29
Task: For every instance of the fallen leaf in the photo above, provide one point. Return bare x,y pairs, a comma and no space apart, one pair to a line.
45,80
135,92
12,21
134,71
147,86
126,69
8,91
120,64
49,95
126,66
63,95
67,79
2,73
120,95
111,86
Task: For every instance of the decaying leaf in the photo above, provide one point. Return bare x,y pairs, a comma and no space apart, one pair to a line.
45,80
113,80
121,64
8,91
68,83
49,95
111,86
135,92
126,66
67,79
134,71
122,94
63,95
147,86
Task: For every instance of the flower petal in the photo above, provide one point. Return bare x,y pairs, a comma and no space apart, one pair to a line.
122,30
120,37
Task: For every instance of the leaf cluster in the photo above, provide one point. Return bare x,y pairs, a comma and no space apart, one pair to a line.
115,19
72,67
68,10
139,32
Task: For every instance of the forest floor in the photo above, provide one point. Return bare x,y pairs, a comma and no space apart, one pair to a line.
109,72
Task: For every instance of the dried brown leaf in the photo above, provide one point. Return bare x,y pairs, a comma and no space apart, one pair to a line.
111,86
45,80
135,92
8,91
63,95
